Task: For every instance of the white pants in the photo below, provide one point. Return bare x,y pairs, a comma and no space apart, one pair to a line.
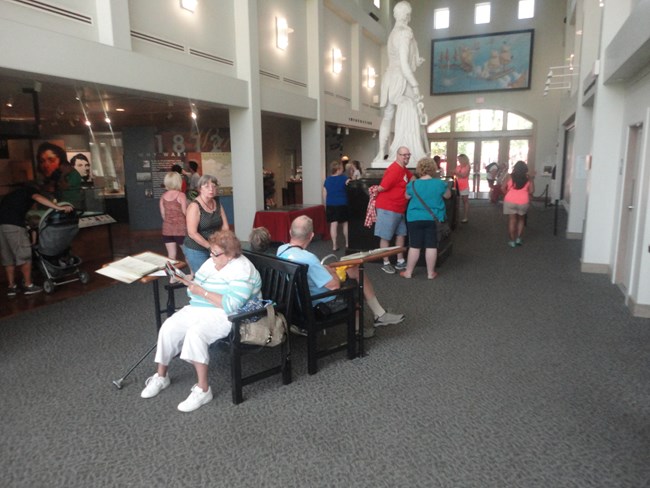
190,331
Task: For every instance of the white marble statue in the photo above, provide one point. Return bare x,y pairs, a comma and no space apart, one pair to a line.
400,94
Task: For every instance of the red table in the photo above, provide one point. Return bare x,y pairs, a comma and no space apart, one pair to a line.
278,221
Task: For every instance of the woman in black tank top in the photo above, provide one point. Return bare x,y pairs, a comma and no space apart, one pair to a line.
205,216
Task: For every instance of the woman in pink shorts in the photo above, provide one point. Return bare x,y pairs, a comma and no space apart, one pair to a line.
518,187
461,172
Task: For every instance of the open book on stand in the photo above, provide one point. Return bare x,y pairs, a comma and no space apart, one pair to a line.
365,254
132,268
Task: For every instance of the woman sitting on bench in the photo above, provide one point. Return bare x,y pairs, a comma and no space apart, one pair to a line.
219,288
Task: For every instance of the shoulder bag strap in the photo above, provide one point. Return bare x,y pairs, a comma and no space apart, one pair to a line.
285,250
435,219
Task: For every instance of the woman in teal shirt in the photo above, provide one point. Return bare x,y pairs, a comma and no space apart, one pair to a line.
425,196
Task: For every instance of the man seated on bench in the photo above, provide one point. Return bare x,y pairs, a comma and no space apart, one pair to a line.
322,278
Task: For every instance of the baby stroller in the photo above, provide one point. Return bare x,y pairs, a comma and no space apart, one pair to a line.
56,229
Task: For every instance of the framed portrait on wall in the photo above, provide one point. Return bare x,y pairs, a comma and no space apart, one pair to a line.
80,160
489,62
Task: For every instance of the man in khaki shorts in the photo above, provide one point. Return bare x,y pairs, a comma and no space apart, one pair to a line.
15,246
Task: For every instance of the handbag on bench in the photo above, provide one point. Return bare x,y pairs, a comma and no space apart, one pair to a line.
269,330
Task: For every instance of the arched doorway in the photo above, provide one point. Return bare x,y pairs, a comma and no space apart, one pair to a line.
486,136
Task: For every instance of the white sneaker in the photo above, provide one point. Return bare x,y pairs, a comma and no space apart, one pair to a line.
388,319
154,385
197,398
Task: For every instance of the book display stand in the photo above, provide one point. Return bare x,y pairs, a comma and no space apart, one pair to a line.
146,267
359,259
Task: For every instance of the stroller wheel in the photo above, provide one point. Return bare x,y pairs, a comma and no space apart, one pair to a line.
84,277
48,286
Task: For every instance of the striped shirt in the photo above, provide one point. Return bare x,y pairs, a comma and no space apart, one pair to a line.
237,282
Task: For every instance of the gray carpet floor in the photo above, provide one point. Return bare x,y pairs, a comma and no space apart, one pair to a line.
513,369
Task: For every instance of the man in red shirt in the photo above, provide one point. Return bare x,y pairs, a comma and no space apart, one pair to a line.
391,206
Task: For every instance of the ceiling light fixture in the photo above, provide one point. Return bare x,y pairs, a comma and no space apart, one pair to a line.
107,119
189,5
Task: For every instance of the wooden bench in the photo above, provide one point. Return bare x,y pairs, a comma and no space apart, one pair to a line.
278,284
306,317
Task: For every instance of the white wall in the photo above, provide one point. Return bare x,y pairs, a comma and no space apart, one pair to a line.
619,106
290,63
84,28
337,87
193,31
637,111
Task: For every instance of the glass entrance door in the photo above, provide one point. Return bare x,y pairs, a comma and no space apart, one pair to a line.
489,153
481,152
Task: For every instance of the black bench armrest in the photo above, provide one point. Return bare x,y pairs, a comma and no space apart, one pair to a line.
344,290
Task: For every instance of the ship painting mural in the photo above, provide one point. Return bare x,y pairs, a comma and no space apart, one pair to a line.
489,62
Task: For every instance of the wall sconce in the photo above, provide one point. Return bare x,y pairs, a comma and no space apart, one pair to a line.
282,31
338,131
371,76
10,102
189,5
347,131
337,61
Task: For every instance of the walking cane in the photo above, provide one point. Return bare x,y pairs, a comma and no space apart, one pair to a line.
118,383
